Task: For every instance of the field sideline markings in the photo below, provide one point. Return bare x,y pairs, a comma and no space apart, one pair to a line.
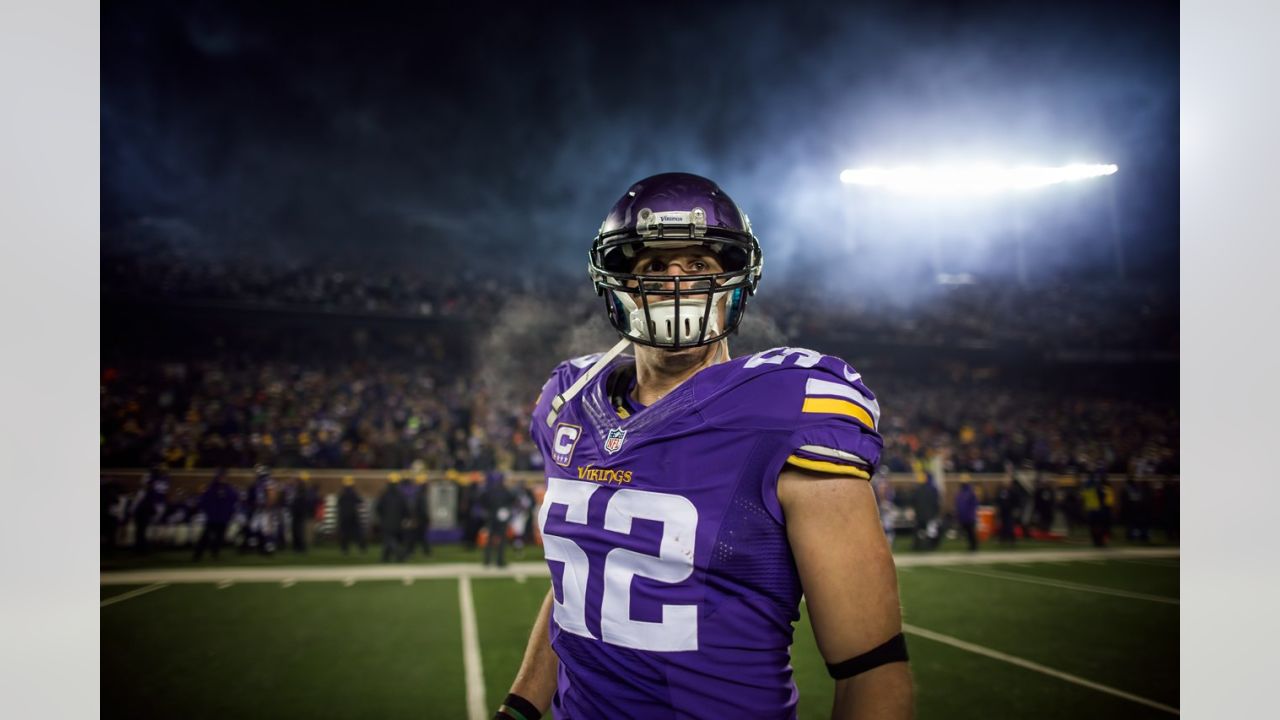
471,652
1036,580
1029,665
531,570
132,594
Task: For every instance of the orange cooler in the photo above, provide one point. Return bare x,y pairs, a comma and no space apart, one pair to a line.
986,522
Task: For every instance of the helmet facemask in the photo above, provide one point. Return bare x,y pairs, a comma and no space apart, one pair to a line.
675,311
672,211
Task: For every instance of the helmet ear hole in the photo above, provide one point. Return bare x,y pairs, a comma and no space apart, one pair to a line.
733,258
618,259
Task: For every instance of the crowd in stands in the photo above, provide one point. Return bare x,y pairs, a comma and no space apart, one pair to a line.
386,415
209,414
1065,316
979,426
286,400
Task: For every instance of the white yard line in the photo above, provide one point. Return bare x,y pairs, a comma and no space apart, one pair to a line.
471,662
321,573
453,571
1035,580
1037,667
132,594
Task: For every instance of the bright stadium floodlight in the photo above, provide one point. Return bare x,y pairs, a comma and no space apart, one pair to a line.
976,179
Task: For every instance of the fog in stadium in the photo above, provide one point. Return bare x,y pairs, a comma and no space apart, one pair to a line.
351,241
296,134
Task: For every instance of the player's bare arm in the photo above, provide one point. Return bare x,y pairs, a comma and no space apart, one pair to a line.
850,586
536,680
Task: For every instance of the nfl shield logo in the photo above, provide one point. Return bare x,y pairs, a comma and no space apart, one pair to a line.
613,443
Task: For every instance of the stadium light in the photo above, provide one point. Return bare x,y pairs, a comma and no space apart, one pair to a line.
977,179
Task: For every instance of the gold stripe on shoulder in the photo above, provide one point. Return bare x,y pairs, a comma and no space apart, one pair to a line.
838,407
828,467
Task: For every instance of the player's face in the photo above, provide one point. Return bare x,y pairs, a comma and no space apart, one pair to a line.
670,265
674,263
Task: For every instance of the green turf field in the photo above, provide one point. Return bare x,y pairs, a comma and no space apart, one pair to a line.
394,648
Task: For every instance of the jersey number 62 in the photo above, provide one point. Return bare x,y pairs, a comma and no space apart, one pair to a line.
678,629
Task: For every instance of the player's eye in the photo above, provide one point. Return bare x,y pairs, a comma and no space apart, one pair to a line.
653,266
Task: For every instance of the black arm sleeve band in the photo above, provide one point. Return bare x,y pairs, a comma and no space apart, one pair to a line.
892,650
517,708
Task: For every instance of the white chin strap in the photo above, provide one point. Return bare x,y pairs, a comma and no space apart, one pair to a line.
664,328
560,400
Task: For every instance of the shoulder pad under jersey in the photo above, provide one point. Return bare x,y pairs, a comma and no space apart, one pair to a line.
820,400
785,383
563,376
567,372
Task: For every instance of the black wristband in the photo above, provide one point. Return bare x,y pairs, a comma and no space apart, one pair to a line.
892,650
517,708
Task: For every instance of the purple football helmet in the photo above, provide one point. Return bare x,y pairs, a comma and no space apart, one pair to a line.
675,210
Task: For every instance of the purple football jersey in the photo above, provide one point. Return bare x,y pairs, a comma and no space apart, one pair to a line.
675,589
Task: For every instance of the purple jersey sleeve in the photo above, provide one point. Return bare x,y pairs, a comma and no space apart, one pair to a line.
822,415
838,422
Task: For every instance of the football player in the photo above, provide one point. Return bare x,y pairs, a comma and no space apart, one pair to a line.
692,499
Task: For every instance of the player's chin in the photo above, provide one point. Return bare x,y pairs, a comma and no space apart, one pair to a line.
686,356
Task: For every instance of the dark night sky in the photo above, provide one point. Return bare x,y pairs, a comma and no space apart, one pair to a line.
438,137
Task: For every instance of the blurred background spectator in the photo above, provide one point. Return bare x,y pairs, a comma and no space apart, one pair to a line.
497,500
392,514
218,503
967,514
350,525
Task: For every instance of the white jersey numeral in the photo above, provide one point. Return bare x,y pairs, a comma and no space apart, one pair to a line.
678,629
804,358
571,613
